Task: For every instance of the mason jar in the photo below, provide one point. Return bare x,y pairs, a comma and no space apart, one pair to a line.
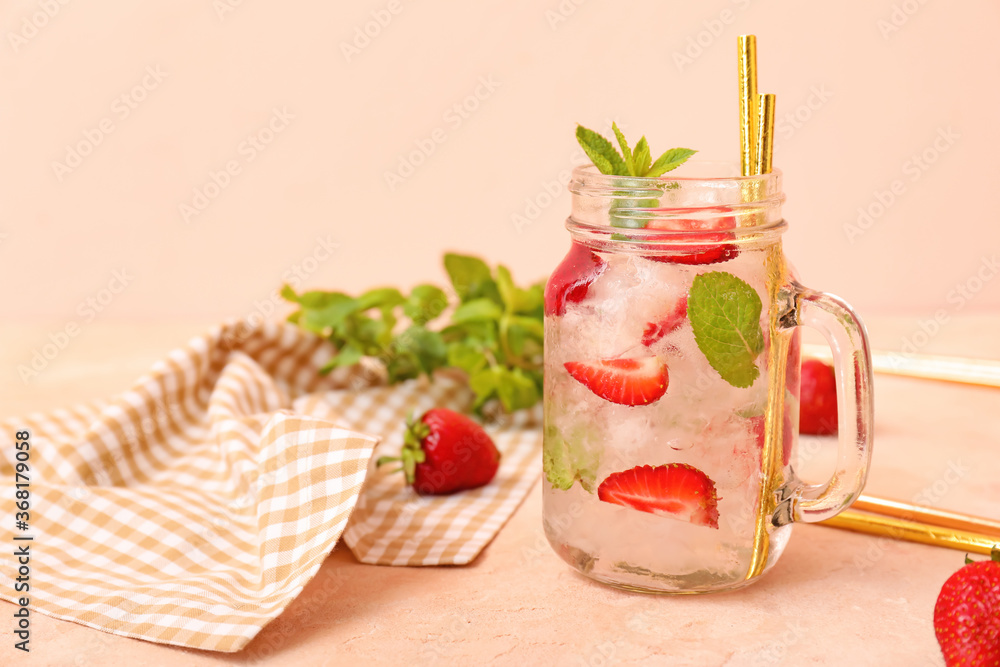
671,383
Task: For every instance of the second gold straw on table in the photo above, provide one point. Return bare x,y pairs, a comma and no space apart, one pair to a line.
756,113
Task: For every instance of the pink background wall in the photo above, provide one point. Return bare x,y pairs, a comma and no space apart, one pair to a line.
162,95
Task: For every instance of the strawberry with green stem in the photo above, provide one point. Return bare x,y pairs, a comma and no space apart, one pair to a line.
967,614
444,452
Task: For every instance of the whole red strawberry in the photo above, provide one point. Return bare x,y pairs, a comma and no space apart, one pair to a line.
818,399
967,614
444,452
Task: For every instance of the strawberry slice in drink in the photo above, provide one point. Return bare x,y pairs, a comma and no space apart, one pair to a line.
668,323
676,490
571,280
632,382
714,232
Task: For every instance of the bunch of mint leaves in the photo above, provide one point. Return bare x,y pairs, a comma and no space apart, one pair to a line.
494,332
637,163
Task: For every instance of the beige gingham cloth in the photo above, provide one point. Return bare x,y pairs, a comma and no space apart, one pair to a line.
193,508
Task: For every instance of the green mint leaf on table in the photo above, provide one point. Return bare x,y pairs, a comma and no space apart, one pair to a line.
725,315
471,278
635,162
425,303
517,389
513,386
416,351
477,309
467,355
481,332
310,299
494,333
381,297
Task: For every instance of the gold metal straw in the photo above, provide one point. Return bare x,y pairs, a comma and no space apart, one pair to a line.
875,516
756,133
920,514
985,372
765,134
747,48
900,529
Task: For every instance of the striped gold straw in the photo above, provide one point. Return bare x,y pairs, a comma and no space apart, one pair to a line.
929,515
756,145
747,54
913,523
874,516
764,149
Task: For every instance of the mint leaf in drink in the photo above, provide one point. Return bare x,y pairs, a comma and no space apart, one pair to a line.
640,158
601,152
635,162
623,144
669,161
568,460
725,315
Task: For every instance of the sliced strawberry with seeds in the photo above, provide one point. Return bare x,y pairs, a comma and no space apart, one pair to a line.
444,452
624,381
709,230
571,280
676,490
670,322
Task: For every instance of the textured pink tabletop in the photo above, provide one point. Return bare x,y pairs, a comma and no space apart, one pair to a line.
834,598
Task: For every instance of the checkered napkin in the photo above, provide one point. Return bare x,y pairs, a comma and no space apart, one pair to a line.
193,508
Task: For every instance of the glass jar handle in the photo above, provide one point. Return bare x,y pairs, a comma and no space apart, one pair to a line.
852,363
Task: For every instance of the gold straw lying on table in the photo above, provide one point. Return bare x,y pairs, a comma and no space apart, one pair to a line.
984,372
914,523
902,521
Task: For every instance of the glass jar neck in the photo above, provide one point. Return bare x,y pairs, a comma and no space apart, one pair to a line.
665,210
